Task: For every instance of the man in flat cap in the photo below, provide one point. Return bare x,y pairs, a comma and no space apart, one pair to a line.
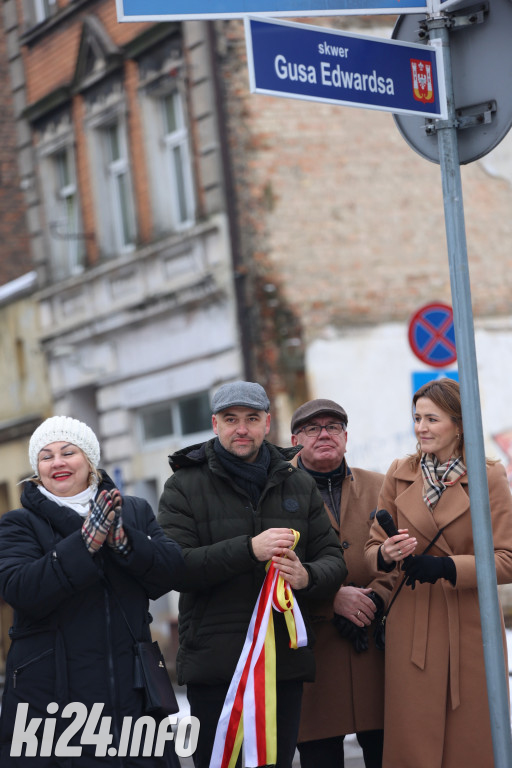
231,503
348,693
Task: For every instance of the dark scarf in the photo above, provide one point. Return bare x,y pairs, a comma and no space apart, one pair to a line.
329,484
250,476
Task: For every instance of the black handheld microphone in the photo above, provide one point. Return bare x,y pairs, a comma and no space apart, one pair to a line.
387,523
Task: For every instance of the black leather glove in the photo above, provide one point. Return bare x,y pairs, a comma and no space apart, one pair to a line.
379,630
428,568
358,636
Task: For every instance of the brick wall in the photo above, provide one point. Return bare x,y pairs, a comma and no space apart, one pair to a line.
50,58
14,247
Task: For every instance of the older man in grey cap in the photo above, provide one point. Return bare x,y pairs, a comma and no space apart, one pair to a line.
231,504
348,694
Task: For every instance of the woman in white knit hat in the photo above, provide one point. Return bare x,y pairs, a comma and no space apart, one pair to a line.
78,563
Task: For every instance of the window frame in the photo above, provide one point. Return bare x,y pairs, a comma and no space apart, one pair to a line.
173,406
105,173
67,253
161,145
43,9
118,179
173,141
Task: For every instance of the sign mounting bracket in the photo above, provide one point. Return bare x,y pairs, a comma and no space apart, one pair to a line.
455,20
466,117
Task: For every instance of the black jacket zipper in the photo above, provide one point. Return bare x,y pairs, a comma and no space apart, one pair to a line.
28,664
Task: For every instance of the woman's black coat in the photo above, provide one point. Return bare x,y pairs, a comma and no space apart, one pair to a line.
70,642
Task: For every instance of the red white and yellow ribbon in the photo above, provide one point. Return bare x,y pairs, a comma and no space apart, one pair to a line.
249,712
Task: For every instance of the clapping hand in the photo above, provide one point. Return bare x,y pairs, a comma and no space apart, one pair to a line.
116,537
98,522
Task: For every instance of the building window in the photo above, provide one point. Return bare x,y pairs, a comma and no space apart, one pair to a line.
157,422
67,245
66,240
195,413
175,142
113,195
43,9
169,159
108,152
185,416
116,166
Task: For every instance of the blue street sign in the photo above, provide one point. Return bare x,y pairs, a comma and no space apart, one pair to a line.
317,64
419,378
168,10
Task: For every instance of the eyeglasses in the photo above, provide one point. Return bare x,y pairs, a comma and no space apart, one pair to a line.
313,430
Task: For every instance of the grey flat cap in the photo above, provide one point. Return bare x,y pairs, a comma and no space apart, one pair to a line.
312,408
247,394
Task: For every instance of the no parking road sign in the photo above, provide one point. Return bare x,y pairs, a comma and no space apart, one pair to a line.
432,336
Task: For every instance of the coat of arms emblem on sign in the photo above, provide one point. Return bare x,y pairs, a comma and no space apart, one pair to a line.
422,85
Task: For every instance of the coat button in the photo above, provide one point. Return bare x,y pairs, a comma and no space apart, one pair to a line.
345,545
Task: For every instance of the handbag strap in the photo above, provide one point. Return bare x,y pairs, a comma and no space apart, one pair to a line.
111,590
427,548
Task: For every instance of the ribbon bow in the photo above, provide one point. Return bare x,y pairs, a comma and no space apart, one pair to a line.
249,712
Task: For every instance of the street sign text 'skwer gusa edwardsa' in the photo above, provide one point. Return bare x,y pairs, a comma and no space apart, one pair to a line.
318,64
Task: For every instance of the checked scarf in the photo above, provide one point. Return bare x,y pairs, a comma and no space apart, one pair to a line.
437,477
249,712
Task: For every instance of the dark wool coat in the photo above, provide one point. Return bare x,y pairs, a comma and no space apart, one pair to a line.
348,693
70,642
436,711
213,520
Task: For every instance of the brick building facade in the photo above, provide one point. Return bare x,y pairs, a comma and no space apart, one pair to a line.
129,229
332,227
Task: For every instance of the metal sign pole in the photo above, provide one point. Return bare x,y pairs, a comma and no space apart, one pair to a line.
471,414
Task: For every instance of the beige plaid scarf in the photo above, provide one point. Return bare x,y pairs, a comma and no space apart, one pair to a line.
437,477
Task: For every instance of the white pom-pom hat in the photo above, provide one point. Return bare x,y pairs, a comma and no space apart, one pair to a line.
58,429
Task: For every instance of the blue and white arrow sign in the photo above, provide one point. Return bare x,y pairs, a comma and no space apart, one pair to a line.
300,61
170,10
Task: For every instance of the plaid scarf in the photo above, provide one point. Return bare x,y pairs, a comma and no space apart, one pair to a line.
437,477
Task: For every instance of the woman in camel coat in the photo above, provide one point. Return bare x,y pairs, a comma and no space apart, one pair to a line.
436,710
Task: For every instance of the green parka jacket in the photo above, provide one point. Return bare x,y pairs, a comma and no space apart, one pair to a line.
213,520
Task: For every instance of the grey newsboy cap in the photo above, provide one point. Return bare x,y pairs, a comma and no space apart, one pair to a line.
247,394
312,408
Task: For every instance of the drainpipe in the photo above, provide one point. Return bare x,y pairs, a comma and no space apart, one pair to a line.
239,270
